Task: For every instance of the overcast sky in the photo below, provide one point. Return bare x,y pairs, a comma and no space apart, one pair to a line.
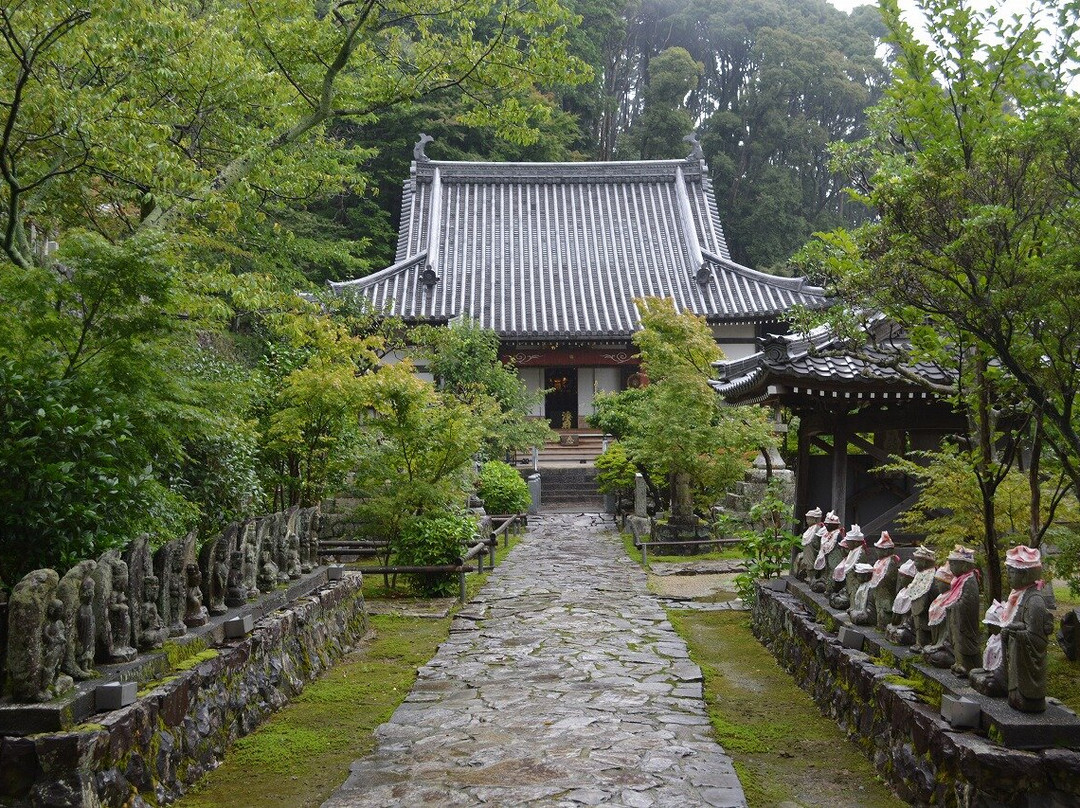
1010,6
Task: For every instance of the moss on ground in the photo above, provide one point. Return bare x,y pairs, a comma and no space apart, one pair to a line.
302,753
783,748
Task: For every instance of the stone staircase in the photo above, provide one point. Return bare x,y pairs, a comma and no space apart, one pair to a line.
577,448
570,486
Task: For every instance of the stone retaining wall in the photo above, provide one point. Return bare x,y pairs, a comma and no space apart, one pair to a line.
149,752
913,748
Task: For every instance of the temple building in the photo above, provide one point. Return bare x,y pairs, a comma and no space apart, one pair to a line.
552,255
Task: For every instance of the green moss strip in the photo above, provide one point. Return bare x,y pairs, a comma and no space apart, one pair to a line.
784,750
302,753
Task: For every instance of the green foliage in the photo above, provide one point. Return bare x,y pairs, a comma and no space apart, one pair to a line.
769,546
615,474
416,452
464,359
949,509
434,540
73,480
503,489
664,121
674,428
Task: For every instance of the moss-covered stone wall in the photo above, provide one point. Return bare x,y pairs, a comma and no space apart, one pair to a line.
180,727
895,718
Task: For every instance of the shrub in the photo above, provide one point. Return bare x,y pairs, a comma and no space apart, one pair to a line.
614,471
429,541
502,488
769,548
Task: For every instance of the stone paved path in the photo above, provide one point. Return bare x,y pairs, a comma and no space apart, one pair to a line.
562,684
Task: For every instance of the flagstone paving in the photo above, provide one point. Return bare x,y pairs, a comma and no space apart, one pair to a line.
562,684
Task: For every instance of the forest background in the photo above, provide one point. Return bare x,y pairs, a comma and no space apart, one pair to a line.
172,174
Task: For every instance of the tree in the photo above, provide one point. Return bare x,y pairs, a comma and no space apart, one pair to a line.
464,359
177,153
417,452
147,115
779,82
659,131
676,428
972,168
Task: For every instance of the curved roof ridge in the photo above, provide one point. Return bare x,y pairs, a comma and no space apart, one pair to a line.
382,274
798,284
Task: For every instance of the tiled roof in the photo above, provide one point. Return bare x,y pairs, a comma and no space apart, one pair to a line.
549,250
818,364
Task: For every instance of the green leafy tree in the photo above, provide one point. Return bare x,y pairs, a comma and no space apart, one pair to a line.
464,359
615,473
675,428
74,479
768,544
416,453
969,167
664,121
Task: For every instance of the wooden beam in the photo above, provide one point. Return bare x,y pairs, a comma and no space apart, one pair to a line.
840,474
870,448
802,481
879,521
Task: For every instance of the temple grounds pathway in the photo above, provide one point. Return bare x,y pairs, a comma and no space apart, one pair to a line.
561,684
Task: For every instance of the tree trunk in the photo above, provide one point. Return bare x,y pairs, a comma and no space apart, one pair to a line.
1034,484
682,500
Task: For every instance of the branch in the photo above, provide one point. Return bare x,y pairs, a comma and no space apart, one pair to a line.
236,170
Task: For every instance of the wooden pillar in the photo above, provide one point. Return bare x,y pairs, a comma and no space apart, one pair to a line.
840,473
802,478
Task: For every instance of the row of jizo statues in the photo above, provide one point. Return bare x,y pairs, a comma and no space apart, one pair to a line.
107,611
936,609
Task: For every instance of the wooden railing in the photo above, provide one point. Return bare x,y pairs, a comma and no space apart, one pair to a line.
476,548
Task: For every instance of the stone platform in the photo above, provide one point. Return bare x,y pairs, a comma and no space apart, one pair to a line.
78,704
889,704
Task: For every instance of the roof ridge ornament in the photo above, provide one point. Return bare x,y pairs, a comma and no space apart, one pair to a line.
704,273
428,276
418,148
696,153
775,348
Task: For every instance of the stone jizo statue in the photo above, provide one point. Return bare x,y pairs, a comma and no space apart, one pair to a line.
901,630
1025,631
85,626
235,591
268,573
152,632
811,542
120,614
990,679
830,553
862,607
53,646
195,613
883,580
920,592
843,574
959,608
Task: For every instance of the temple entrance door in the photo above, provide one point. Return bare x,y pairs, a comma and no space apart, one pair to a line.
561,398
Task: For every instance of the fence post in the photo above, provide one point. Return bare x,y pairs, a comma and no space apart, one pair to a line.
644,553
493,542
461,581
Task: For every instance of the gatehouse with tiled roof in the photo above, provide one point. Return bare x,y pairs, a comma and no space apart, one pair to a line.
552,255
859,407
